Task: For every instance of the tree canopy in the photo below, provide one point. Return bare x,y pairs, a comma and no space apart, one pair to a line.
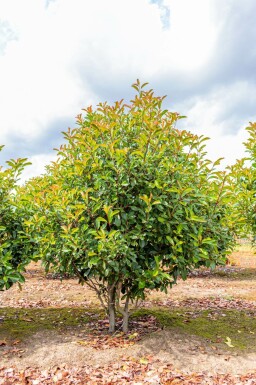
242,182
130,204
13,257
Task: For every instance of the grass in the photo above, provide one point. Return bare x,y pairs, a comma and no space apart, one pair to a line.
244,274
20,323
212,326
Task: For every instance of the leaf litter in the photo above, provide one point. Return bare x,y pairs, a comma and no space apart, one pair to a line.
136,370
98,339
129,371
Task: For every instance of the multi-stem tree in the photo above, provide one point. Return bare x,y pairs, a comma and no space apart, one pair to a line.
131,203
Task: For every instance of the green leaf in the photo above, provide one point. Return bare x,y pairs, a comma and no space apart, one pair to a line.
156,203
93,261
157,184
161,219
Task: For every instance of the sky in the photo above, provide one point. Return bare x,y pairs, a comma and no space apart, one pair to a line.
60,56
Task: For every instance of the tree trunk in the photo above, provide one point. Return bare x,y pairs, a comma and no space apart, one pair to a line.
111,309
125,321
125,314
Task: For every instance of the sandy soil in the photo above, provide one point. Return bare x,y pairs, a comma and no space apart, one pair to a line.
47,349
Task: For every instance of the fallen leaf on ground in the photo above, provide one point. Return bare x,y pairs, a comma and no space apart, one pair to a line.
229,342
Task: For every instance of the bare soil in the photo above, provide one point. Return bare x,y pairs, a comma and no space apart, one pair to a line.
186,353
231,287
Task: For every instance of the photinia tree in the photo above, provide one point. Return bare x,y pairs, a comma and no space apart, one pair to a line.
12,248
131,203
242,182
251,149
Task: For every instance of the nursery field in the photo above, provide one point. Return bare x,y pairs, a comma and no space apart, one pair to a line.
243,256
202,332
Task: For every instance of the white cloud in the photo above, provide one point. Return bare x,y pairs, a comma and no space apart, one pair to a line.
222,115
192,36
41,73
221,108
37,85
228,146
60,56
38,166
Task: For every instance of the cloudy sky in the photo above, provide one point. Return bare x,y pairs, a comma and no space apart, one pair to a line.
59,56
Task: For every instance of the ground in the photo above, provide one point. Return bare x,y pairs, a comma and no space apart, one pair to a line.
202,332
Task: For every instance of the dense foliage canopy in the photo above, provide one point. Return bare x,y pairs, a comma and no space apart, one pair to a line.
242,182
131,203
13,257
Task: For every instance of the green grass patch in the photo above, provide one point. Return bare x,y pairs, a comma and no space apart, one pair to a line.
213,326
20,323
239,275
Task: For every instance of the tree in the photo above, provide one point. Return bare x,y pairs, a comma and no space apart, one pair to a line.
251,186
12,249
242,182
131,203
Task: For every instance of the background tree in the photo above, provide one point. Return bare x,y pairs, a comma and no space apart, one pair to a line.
242,182
131,203
13,257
